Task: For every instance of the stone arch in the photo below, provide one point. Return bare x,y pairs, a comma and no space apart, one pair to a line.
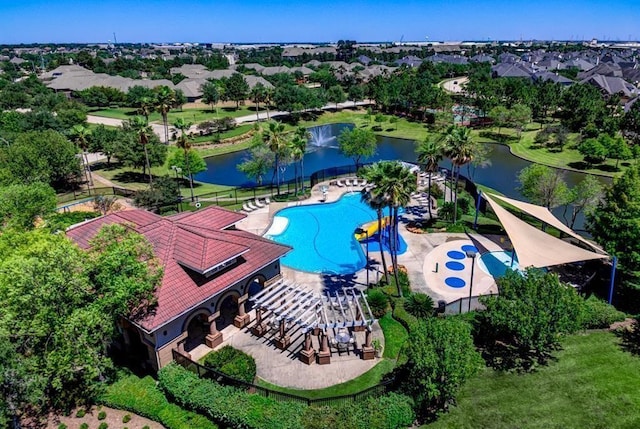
197,327
227,307
252,287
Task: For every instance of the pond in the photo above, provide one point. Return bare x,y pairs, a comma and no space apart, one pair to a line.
322,152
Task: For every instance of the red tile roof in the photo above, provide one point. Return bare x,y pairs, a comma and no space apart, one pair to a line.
198,241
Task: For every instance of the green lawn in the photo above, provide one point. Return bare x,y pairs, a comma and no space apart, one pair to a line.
594,384
190,115
237,131
394,336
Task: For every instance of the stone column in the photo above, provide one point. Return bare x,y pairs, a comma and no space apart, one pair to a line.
368,351
242,319
356,327
214,338
260,328
307,355
181,349
324,356
283,340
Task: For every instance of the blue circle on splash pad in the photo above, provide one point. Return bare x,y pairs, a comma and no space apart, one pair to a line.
469,248
454,254
455,266
455,282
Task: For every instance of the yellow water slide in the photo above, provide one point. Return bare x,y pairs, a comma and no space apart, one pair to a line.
370,228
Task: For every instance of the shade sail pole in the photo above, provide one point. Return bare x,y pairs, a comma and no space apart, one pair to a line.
475,220
613,277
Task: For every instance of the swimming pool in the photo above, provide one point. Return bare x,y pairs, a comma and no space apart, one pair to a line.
322,235
497,263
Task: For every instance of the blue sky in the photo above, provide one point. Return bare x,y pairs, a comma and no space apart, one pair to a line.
31,21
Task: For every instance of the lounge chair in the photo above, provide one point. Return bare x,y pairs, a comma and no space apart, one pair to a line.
251,206
340,183
347,182
267,201
259,204
246,207
363,182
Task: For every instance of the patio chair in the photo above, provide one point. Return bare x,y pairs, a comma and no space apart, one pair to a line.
340,183
251,206
246,208
267,201
259,203
347,182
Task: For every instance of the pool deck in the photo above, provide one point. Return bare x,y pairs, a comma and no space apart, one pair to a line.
424,251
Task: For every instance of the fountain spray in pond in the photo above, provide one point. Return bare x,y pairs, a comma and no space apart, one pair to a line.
322,137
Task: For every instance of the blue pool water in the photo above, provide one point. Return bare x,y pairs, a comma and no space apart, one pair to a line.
322,236
497,263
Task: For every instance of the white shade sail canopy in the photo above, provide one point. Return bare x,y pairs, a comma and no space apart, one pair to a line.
536,248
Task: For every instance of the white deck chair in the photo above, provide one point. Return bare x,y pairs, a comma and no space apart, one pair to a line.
245,207
259,203
267,201
251,206
340,183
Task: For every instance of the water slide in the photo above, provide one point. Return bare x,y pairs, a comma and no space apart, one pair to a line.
371,228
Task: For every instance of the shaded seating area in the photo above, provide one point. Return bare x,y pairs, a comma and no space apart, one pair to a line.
329,323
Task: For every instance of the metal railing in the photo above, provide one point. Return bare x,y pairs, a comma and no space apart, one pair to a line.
213,374
461,305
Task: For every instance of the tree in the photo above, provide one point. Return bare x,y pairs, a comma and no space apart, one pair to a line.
499,116
184,143
164,101
441,356
392,183
356,93
297,149
617,148
593,150
582,105
357,143
335,94
259,161
162,192
236,88
41,156
275,139
81,135
21,205
210,93
614,223
523,323
60,308
258,95
459,148
143,132
584,197
543,185
430,153
630,124
105,140
519,116
196,162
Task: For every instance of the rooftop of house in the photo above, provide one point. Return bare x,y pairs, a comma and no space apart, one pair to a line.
201,252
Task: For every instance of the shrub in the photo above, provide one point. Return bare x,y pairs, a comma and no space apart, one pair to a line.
81,413
446,211
103,425
436,191
598,314
389,411
419,305
464,205
62,426
227,405
145,427
84,426
126,418
378,302
402,315
102,415
233,362
142,396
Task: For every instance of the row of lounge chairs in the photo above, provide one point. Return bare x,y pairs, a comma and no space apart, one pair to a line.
423,179
423,199
251,205
350,182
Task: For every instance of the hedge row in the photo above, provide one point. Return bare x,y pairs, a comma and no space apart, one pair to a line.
402,315
597,314
142,396
227,405
233,362
392,411
239,409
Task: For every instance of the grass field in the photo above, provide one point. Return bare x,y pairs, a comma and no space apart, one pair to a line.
594,384
190,115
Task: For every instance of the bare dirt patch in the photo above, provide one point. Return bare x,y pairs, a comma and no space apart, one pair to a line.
114,420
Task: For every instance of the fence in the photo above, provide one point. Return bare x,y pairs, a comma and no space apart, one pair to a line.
461,305
212,374
90,193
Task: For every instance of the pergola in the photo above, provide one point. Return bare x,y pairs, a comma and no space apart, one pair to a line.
287,306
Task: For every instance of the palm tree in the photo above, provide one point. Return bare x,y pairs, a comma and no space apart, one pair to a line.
81,134
145,107
429,156
275,138
142,129
377,203
396,186
459,148
268,96
298,147
165,100
184,143
258,94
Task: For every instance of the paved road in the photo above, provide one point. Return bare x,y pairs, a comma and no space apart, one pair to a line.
455,85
